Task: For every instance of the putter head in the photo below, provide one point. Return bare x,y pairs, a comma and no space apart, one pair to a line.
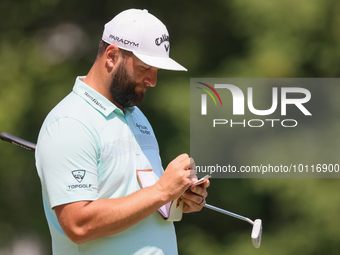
256,233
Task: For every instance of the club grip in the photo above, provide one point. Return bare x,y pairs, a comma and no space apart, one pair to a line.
17,141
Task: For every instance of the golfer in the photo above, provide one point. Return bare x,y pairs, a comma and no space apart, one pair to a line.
93,142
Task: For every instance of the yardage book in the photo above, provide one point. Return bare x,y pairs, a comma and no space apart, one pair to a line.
171,211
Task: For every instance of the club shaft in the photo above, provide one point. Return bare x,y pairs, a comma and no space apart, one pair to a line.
17,141
229,213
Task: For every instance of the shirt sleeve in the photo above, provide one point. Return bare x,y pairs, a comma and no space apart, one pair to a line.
66,159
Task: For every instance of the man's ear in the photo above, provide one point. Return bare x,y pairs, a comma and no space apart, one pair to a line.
112,55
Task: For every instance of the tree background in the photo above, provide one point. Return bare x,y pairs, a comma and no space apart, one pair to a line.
45,44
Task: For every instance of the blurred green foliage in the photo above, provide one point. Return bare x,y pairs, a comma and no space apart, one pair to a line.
45,44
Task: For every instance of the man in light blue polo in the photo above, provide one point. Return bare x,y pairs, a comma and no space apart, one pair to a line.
93,142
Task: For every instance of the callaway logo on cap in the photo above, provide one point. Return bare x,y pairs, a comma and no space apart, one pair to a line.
143,34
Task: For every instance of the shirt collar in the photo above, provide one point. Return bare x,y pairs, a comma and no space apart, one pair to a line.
97,100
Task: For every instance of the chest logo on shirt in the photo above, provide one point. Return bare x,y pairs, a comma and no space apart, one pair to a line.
79,175
143,129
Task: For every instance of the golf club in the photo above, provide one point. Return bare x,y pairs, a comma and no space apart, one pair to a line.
17,141
256,233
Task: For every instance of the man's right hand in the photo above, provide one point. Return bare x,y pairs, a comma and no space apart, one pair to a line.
176,178
87,220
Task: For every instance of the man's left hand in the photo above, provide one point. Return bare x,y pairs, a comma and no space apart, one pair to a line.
194,198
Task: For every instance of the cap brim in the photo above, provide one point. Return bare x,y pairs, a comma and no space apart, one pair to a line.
160,62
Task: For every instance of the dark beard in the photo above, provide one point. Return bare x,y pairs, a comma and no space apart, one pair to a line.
122,88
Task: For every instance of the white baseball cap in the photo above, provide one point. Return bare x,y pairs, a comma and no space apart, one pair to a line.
143,34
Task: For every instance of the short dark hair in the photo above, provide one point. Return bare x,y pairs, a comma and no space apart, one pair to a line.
103,46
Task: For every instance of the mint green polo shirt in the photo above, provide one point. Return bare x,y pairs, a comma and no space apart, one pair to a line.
89,149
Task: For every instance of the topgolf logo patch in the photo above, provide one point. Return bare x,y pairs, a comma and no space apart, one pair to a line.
79,175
